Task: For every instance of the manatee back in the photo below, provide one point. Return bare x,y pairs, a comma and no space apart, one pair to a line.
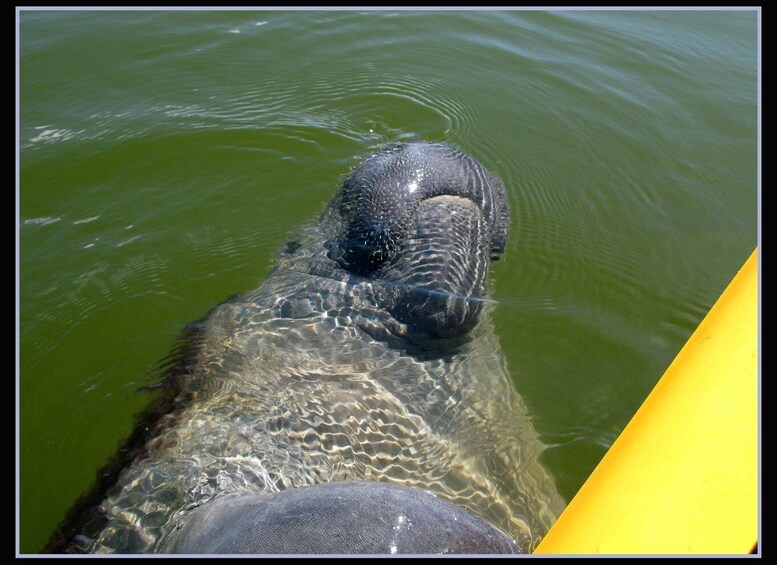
337,518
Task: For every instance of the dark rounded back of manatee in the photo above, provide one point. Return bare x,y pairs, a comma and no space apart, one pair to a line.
337,518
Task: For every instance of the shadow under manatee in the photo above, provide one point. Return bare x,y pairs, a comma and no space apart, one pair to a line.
357,402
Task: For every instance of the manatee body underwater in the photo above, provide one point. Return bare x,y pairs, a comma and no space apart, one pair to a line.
357,402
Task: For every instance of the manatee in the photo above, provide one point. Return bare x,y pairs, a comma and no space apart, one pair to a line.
356,402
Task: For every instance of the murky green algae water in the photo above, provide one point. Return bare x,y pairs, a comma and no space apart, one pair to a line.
165,155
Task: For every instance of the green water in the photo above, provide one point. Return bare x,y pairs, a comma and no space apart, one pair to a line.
164,157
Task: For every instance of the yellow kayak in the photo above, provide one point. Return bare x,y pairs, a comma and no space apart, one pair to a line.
682,478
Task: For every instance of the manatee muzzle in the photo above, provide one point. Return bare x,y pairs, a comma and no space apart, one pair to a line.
426,219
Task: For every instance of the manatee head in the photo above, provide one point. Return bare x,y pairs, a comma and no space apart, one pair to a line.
423,220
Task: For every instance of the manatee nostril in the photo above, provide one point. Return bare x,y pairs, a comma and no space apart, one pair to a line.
362,256
362,251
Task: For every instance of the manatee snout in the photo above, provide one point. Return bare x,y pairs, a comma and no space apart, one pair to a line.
426,220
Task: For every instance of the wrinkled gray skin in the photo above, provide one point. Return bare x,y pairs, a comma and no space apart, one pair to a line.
367,357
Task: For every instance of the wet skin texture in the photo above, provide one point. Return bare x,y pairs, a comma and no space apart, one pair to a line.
357,402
